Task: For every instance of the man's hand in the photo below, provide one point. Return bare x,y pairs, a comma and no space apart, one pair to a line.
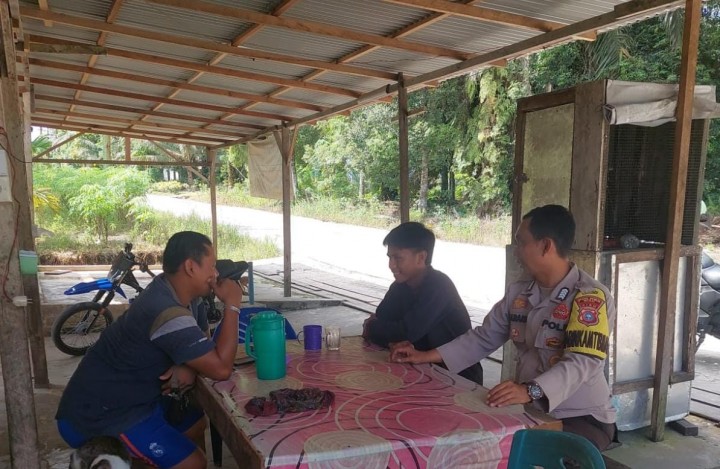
393,345
229,292
177,378
508,393
366,326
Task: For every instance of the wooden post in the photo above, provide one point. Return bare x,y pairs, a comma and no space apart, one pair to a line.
15,216
285,139
403,136
128,152
212,156
35,330
681,151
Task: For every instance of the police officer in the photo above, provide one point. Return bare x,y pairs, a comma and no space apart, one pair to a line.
559,321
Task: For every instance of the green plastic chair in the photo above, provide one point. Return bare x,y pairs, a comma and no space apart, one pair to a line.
547,449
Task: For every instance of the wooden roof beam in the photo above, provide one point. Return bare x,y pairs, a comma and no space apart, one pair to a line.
202,44
105,130
187,65
58,145
159,99
312,27
483,14
635,8
98,118
237,41
173,84
133,110
402,32
102,39
43,4
121,162
480,13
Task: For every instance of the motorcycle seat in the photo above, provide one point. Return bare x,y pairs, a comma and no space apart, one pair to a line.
711,275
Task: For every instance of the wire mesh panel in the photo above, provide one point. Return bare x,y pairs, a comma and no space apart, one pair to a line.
638,183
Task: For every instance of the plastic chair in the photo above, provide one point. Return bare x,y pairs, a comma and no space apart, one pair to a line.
547,449
244,320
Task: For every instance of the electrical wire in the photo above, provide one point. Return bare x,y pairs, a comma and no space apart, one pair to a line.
6,273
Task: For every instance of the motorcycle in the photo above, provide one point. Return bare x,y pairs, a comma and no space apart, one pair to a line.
79,326
709,311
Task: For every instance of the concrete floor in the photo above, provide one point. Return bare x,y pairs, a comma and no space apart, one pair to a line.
637,451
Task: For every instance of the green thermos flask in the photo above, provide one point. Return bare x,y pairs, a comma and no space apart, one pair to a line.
265,342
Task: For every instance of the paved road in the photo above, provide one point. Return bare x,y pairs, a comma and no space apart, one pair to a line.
478,271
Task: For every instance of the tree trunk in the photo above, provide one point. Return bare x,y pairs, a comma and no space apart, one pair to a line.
451,187
108,147
230,175
422,196
361,185
188,157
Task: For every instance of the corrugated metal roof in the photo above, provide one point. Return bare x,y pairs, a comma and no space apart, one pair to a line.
301,44
237,84
369,16
179,21
470,34
266,67
147,69
334,55
158,48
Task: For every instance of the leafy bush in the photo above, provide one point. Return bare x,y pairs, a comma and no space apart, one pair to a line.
172,187
91,200
156,228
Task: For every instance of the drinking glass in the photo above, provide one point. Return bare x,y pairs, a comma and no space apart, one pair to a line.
332,337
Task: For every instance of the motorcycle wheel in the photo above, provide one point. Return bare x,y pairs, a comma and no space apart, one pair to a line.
79,327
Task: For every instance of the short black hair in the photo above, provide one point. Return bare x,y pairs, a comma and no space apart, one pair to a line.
554,222
182,246
412,235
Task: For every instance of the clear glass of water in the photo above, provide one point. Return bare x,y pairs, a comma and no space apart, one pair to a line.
332,337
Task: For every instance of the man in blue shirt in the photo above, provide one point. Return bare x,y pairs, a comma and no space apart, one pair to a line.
158,345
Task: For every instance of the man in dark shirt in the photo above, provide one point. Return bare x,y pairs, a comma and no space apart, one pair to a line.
422,306
158,345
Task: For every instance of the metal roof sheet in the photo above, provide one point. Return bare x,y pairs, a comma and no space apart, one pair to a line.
179,21
237,84
301,44
147,69
371,16
332,56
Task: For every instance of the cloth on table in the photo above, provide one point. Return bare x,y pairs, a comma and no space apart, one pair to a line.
289,400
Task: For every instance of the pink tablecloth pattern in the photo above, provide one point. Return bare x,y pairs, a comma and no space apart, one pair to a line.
385,415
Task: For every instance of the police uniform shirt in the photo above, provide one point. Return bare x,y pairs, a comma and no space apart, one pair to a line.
562,342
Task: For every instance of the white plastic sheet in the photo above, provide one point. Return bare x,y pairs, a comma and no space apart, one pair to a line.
652,104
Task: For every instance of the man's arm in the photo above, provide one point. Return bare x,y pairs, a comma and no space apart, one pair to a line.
386,324
478,343
586,348
217,363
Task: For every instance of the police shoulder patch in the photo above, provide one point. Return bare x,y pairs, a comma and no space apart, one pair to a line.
588,330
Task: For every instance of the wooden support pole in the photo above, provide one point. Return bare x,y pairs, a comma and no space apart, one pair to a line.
128,149
212,156
285,139
681,151
404,158
15,217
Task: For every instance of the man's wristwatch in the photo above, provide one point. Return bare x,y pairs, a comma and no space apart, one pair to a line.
534,391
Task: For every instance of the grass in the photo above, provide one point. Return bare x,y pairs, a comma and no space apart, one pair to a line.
149,233
446,226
